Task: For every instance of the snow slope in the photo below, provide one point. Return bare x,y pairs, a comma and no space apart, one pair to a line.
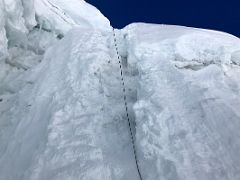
65,133
62,112
187,109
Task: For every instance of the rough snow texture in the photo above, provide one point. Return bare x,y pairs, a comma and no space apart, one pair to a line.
17,18
3,38
62,112
62,15
187,113
65,133
24,39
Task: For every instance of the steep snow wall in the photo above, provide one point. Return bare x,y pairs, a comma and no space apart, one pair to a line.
33,102
25,39
187,109
3,38
69,115
16,17
64,117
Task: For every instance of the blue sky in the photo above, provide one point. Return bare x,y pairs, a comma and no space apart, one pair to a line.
223,15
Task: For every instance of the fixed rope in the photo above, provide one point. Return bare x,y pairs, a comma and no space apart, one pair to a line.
126,105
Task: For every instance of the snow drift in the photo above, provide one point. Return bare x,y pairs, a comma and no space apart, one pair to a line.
62,112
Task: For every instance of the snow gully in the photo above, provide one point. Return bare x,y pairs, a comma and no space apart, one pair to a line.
126,105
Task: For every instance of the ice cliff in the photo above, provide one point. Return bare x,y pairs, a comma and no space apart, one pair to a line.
62,113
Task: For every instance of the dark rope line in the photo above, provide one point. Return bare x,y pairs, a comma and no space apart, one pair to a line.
126,107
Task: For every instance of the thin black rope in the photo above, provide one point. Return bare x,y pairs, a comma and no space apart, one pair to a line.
126,106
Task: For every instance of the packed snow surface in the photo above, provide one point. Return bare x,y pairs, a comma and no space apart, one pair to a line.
62,114
187,109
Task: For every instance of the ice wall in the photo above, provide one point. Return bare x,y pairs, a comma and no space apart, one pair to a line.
16,18
187,109
61,15
3,38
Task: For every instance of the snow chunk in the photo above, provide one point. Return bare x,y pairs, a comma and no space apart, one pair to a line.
29,13
205,47
16,17
187,45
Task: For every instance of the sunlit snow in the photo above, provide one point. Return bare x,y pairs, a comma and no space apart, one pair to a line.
62,113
